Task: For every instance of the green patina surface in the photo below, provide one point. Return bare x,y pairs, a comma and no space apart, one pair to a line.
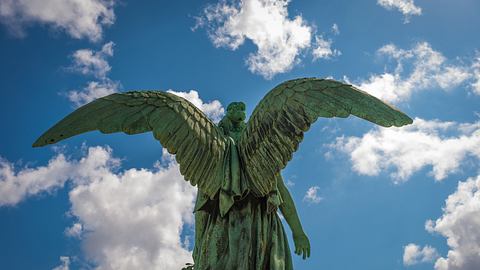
235,165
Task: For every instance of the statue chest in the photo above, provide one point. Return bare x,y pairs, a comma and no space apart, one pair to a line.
235,135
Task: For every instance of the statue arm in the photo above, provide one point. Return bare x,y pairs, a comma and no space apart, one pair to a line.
288,210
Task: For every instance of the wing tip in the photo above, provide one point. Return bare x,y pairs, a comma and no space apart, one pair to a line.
43,141
409,121
38,143
403,121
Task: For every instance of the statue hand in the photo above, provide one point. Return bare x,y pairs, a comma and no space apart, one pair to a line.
302,244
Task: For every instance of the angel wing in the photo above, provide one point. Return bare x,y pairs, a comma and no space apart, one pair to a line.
180,127
277,124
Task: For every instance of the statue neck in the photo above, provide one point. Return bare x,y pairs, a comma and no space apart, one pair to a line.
232,129
236,130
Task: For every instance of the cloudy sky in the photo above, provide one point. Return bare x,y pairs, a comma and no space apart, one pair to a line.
369,197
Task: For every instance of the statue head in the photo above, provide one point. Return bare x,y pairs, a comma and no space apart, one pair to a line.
234,119
236,112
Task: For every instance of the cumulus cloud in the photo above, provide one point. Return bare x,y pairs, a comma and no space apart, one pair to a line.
93,63
79,18
89,62
278,38
134,219
460,224
323,49
17,185
65,263
131,219
476,74
92,91
74,231
335,29
441,145
311,196
414,254
417,69
213,109
406,7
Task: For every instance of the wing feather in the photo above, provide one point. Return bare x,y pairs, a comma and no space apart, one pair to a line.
180,127
279,121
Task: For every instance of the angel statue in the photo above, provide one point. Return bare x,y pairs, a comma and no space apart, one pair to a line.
236,165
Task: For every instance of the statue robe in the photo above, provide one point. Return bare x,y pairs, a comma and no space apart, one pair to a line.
236,230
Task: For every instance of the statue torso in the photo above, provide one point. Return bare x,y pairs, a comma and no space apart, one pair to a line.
235,135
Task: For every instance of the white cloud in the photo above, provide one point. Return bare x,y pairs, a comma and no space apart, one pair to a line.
131,219
92,91
427,68
406,7
89,62
94,63
65,264
79,18
323,49
414,254
75,230
335,29
441,145
134,219
15,186
213,109
312,196
266,23
476,74
460,224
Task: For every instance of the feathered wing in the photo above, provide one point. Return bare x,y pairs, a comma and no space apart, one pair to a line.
180,127
277,124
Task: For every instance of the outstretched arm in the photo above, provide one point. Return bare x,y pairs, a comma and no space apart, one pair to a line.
302,244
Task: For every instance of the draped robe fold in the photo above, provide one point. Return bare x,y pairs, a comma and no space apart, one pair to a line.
235,229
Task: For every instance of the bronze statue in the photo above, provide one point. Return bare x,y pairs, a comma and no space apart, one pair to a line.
236,165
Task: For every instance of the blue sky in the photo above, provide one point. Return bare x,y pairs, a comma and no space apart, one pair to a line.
368,197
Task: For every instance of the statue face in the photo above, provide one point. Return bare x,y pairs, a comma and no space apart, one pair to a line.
236,112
